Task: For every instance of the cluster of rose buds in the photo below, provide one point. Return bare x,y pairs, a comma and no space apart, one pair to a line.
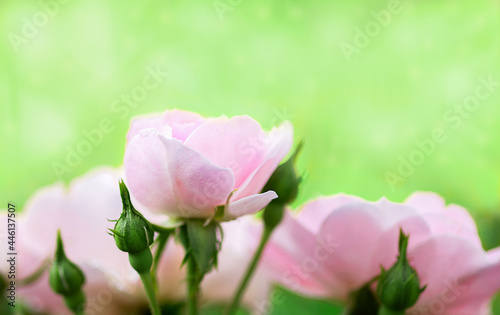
186,230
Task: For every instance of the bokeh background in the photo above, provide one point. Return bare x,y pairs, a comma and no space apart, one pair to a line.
365,83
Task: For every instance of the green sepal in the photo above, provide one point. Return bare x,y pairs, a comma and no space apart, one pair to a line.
220,211
199,239
115,232
203,243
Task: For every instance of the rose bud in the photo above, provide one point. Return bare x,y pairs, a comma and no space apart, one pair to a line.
285,182
133,233
67,279
399,287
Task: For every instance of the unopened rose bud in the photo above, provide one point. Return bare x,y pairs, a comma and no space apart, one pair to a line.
67,279
133,233
285,182
399,287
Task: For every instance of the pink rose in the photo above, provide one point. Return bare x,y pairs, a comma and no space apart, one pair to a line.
337,244
184,165
81,212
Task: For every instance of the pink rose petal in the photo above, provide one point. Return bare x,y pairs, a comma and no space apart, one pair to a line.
249,205
165,175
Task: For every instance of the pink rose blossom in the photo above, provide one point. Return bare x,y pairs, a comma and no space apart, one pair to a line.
81,212
337,244
184,165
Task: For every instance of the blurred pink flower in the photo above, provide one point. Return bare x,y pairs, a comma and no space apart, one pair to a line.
337,244
241,237
184,165
81,212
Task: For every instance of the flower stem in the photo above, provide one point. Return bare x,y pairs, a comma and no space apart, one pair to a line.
161,229
35,275
147,281
192,287
383,310
250,270
162,241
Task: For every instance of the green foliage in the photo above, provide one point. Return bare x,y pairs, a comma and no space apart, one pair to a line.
288,303
219,309
495,306
203,243
283,302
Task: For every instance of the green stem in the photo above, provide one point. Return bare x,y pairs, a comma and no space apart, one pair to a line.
250,270
147,281
162,229
35,275
192,287
162,241
383,310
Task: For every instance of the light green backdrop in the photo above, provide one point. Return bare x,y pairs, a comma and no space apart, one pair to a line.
364,82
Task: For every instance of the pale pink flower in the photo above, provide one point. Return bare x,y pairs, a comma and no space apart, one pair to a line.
184,165
337,244
81,211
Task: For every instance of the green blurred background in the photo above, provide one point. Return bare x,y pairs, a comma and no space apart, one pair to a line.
65,68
